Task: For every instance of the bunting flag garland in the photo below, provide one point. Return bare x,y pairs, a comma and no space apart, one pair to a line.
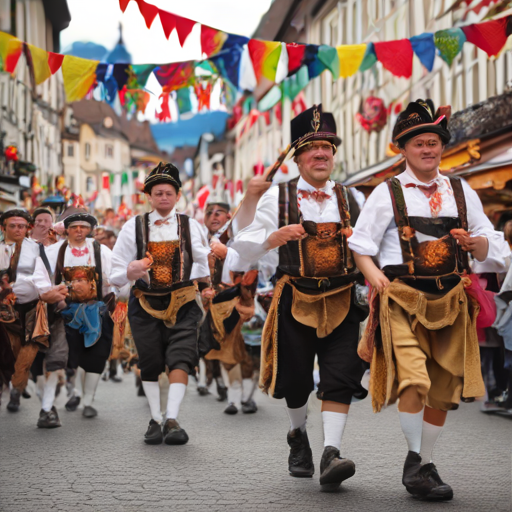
165,113
142,72
183,26
350,57
425,49
212,40
328,56
265,58
79,76
203,96
228,65
183,100
489,36
369,59
295,56
396,56
10,51
123,4
40,64
148,11
168,21
176,75
55,62
449,42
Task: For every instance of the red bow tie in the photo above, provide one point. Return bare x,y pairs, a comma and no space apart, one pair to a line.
427,190
316,195
75,251
161,222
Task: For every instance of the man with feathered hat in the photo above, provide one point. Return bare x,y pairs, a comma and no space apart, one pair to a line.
421,336
313,312
83,265
165,253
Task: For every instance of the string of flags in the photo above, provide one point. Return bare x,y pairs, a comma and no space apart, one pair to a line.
240,63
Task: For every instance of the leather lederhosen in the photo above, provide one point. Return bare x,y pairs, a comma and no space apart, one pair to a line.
431,265
324,254
172,260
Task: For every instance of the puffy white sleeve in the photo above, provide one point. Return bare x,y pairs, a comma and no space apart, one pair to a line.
125,251
373,222
480,225
106,269
249,243
200,251
41,279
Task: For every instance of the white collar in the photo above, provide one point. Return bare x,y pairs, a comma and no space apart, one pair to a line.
154,215
408,176
302,184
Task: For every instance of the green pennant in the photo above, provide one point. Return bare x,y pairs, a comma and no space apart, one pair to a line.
449,43
270,99
369,59
295,83
328,56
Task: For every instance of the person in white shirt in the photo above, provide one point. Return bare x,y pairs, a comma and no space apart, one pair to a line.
305,224
83,266
421,340
165,253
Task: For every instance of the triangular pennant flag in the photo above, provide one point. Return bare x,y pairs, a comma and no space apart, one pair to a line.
10,51
123,4
489,36
184,26
79,76
294,84
183,100
350,56
295,56
168,22
329,58
148,12
265,58
176,75
55,61
228,64
212,40
449,42
142,72
395,56
424,47
369,58
165,113
39,64
311,60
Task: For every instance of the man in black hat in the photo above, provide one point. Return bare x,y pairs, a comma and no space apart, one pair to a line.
83,265
313,311
18,256
164,253
421,336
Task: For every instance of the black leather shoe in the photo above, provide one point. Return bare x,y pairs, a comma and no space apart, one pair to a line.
202,390
223,394
231,409
115,378
300,460
424,482
49,419
154,433
174,434
249,407
14,402
334,469
89,412
72,403
26,394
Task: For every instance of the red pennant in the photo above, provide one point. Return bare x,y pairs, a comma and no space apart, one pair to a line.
295,56
396,56
489,36
165,114
123,4
208,43
55,61
168,22
184,26
148,12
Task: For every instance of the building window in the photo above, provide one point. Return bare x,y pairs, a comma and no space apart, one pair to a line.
89,184
71,150
109,151
87,151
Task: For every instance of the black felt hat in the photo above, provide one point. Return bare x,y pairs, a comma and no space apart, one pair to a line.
163,173
73,214
16,212
419,117
313,124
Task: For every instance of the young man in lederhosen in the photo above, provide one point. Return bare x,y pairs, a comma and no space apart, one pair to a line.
421,335
313,312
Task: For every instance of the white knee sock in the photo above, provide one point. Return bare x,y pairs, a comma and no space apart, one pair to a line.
176,394
40,382
247,389
430,434
334,425
79,382
49,391
298,417
152,390
119,370
90,384
235,393
202,373
412,426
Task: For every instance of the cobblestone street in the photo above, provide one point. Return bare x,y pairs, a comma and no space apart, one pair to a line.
234,463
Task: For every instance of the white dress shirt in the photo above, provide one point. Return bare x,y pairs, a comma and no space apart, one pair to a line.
250,241
376,233
24,287
125,249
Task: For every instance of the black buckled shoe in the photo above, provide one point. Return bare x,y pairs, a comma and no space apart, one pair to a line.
424,482
14,402
49,419
300,460
249,407
202,390
174,434
72,403
89,412
231,409
334,469
154,433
